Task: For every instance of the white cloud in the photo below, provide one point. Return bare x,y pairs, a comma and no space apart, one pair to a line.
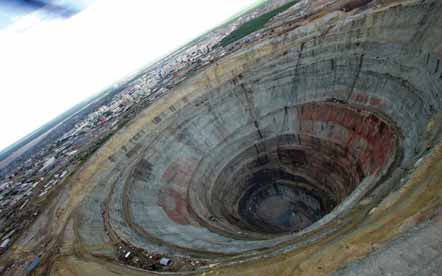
49,68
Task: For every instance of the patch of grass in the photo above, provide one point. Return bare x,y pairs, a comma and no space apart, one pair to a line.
82,157
253,25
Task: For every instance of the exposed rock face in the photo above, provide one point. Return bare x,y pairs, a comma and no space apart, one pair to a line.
289,156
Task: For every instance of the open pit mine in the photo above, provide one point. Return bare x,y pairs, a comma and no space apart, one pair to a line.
310,148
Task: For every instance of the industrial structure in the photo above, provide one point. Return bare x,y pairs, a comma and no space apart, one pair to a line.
308,147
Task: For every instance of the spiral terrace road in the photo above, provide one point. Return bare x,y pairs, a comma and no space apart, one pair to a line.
312,151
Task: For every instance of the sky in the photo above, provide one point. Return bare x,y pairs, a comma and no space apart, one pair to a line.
48,67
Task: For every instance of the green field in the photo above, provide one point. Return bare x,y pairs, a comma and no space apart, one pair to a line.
254,25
